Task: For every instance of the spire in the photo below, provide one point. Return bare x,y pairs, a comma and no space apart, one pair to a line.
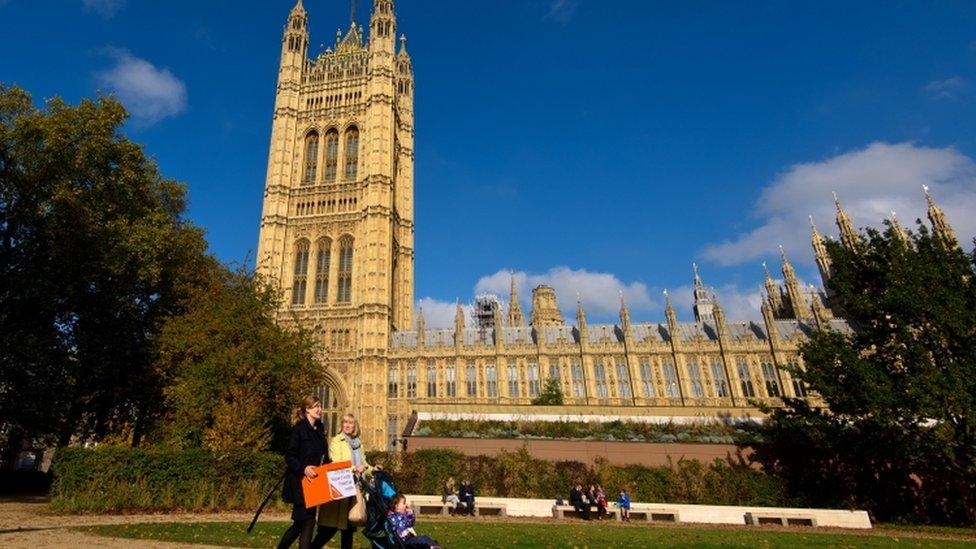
798,302
824,264
703,304
515,316
581,319
403,45
624,315
820,314
669,312
421,328
771,290
769,320
940,225
294,44
897,230
721,325
458,319
848,234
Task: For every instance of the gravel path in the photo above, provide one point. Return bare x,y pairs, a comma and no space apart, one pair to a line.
30,523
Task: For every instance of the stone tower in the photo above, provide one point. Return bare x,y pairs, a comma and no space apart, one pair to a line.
337,225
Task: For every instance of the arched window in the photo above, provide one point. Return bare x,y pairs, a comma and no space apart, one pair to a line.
311,157
331,408
300,283
352,153
345,271
323,255
331,154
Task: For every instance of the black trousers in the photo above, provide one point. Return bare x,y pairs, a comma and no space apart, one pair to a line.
583,510
299,529
326,533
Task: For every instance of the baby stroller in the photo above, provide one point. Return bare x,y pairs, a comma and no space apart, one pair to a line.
379,494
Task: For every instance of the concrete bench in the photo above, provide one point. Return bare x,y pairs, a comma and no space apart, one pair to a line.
563,511
779,518
429,506
490,509
654,514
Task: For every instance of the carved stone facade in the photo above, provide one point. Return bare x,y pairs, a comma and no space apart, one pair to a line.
337,235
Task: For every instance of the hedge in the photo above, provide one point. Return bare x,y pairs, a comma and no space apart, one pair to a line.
122,479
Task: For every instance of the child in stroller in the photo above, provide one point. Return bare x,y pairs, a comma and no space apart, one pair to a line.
380,527
401,516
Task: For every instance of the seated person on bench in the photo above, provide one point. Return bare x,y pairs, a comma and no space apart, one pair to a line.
579,501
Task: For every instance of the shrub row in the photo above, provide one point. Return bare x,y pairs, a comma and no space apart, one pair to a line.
121,479
713,433
518,474
117,479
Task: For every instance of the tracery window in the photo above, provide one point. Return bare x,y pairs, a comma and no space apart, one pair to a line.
720,380
311,157
799,387
392,382
300,281
323,255
533,380
513,384
471,375
694,377
745,378
345,270
769,376
671,380
331,154
491,381
352,152
600,375
411,382
451,381
576,372
623,380
647,381
431,381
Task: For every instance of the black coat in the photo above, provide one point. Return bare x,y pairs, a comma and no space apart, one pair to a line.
306,446
576,497
466,491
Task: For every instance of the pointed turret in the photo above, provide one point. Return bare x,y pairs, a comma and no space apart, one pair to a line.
772,291
770,321
897,230
940,225
382,27
624,315
849,236
824,264
458,324
581,320
703,304
670,315
515,316
798,303
721,324
820,314
421,329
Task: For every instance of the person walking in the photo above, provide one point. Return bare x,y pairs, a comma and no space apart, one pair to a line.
334,515
306,451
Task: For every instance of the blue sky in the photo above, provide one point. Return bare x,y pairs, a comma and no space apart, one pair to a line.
601,147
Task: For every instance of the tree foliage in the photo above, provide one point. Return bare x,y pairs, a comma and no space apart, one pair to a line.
229,370
94,254
551,395
899,438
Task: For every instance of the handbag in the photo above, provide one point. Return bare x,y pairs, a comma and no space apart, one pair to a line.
357,513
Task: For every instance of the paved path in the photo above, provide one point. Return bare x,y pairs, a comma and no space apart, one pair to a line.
30,523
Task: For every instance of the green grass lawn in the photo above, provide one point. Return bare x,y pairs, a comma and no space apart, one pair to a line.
478,534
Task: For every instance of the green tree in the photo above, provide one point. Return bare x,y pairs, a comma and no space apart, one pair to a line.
94,254
231,373
551,394
899,438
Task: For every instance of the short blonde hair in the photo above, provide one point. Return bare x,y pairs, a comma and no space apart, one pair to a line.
355,424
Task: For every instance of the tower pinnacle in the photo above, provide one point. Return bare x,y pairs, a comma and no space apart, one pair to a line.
848,234
515,315
940,225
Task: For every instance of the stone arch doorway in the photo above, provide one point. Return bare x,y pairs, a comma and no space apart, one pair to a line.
334,403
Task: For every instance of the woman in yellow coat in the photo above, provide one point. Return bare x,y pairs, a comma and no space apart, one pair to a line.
334,516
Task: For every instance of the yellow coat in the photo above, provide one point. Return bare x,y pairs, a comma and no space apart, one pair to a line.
336,513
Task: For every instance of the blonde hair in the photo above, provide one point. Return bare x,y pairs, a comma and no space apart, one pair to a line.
355,424
450,483
308,402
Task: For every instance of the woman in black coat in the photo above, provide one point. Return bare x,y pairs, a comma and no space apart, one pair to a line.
306,451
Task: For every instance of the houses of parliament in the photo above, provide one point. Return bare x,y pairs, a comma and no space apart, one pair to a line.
337,237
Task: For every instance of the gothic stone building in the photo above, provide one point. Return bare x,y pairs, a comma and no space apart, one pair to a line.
337,233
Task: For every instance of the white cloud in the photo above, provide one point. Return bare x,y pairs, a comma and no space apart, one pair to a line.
440,314
949,89
562,11
105,8
599,292
149,93
871,182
